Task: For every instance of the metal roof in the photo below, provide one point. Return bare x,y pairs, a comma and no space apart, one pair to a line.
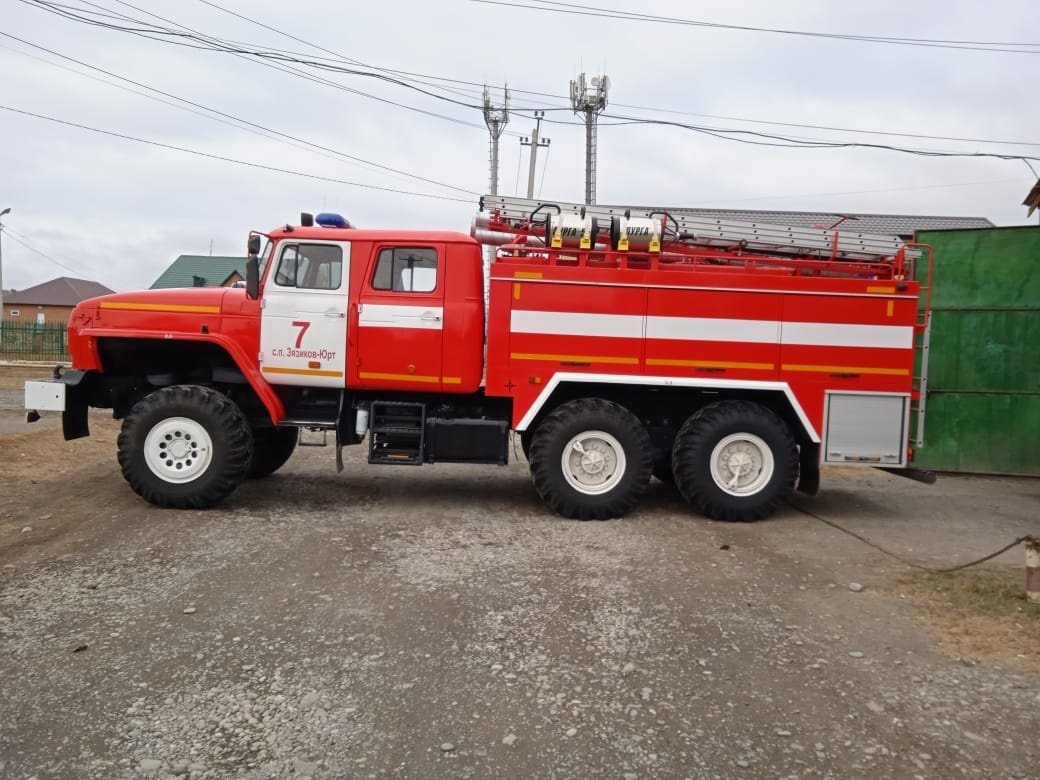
904,225
213,270
62,291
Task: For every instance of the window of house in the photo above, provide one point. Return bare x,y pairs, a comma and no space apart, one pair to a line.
15,313
310,267
406,269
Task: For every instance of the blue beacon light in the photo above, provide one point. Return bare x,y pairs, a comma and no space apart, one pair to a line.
330,220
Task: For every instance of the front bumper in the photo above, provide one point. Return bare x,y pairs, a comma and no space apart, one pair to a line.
45,395
64,394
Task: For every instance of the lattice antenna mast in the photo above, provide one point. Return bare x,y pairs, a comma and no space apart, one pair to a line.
496,118
590,98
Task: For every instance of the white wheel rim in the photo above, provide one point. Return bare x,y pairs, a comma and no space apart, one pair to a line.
593,463
742,464
178,450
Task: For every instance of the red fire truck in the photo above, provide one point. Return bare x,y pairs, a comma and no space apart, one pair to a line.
730,358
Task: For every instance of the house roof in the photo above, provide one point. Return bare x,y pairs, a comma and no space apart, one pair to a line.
62,291
904,225
213,270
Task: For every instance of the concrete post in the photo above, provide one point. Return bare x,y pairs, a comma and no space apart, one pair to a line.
1033,570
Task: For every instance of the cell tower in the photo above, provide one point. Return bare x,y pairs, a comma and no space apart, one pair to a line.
496,118
590,99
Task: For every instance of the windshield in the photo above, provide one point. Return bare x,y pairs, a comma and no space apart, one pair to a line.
264,257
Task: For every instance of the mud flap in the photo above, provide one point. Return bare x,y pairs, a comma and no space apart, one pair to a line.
339,453
74,419
809,469
74,424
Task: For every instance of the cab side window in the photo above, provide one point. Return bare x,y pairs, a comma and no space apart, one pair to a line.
406,269
310,267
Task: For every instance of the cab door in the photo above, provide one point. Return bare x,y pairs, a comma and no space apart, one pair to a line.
401,319
303,323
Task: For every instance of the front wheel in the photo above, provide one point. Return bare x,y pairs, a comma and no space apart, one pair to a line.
185,447
590,459
735,460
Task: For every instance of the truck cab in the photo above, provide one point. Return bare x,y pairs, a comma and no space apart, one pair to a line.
371,310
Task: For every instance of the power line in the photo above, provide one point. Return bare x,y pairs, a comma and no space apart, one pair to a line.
798,196
472,94
405,75
729,134
234,120
775,140
612,13
830,127
258,166
196,40
622,105
18,238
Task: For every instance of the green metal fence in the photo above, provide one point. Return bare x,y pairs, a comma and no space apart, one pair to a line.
33,341
983,401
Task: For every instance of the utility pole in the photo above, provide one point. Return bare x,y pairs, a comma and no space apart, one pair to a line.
590,99
2,214
496,118
534,142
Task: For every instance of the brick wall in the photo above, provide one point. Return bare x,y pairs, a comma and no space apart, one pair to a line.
28,313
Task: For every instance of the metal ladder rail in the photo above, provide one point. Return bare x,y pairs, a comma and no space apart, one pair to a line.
717,232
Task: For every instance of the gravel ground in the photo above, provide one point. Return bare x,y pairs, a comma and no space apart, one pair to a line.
437,622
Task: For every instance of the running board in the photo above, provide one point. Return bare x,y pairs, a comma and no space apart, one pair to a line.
300,423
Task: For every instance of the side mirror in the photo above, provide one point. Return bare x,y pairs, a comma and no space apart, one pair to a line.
254,244
253,275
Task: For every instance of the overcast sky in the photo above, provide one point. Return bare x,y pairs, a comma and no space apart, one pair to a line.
119,211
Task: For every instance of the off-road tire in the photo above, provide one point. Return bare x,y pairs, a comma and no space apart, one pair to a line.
223,421
692,453
525,443
559,428
272,447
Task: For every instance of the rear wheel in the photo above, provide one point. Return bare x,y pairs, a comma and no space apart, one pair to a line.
272,447
185,447
735,460
590,459
525,443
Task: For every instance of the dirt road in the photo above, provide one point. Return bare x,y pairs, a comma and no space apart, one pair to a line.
437,622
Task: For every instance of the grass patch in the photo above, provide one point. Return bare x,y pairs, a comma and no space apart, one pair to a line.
981,613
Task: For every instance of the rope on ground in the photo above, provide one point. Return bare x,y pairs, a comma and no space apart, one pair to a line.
906,561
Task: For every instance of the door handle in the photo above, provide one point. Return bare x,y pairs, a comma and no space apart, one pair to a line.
334,313
430,317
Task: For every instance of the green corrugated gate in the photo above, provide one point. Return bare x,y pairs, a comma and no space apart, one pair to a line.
983,403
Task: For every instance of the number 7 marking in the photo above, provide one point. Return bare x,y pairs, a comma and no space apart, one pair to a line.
303,326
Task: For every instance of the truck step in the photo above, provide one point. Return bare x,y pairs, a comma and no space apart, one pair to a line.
397,433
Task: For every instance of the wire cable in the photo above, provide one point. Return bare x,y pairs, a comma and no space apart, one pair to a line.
610,13
208,155
229,119
19,239
907,561
798,196
427,78
194,39
545,167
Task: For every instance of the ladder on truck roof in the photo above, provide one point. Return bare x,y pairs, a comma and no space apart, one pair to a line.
691,230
